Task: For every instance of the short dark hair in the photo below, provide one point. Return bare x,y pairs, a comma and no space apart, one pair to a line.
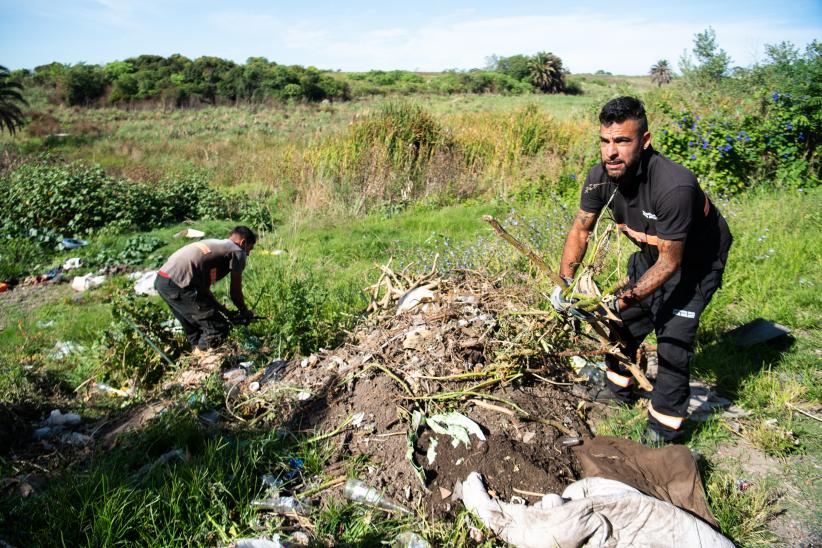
620,109
245,233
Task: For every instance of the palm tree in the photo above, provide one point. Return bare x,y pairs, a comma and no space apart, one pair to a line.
661,73
10,98
547,73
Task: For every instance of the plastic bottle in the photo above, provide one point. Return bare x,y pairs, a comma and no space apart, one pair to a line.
282,505
357,491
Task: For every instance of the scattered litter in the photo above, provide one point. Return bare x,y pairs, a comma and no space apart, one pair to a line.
273,542
570,441
234,376
254,386
431,454
704,402
172,325
357,491
303,396
45,324
757,331
75,438
62,349
45,432
190,233
271,482
273,251
414,298
71,243
410,540
456,425
73,263
743,484
210,417
163,459
56,418
106,389
283,505
4,287
145,283
357,419
89,281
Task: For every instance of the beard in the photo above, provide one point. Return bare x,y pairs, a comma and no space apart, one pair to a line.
624,175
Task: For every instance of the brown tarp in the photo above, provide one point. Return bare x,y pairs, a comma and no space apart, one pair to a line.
668,473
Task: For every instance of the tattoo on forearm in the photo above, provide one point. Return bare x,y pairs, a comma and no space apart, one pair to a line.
577,242
669,261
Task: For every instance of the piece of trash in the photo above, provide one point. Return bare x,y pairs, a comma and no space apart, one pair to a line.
757,331
274,370
254,386
56,418
163,459
190,233
303,396
62,349
43,324
357,491
413,298
528,436
89,281
444,493
570,441
106,389
273,542
594,374
71,243
770,423
46,432
172,325
274,252
73,263
300,538
356,419
210,417
743,484
410,540
431,454
282,505
271,482
75,438
456,425
295,465
235,376
145,284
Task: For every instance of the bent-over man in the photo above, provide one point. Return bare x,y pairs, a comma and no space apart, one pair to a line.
184,282
683,247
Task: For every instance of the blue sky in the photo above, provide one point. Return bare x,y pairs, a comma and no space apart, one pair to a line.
620,37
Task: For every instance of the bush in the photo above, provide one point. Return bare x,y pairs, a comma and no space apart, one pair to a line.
74,199
728,153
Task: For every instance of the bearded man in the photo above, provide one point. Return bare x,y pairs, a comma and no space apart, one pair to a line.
683,246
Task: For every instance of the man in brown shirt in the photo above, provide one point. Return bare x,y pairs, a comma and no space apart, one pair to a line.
184,282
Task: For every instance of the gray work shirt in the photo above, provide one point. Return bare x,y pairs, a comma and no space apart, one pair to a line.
202,263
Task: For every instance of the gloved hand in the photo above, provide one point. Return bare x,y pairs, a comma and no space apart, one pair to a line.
558,300
606,309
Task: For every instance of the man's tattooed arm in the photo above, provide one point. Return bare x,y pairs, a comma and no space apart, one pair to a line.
576,243
669,261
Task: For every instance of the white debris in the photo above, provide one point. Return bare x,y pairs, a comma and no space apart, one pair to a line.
62,349
456,425
89,281
254,386
190,233
413,298
73,263
431,454
75,438
235,375
145,283
303,396
274,542
357,419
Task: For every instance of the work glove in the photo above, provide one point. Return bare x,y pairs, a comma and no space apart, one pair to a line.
607,309
558,300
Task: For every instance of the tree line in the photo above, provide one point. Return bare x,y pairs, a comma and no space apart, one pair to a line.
179,81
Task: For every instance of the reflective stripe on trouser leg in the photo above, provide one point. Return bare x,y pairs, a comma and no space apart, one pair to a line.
619,380
674,423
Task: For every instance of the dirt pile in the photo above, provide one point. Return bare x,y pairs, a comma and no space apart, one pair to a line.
467,344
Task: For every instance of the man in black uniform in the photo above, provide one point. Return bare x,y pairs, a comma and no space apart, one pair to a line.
683,246
184,282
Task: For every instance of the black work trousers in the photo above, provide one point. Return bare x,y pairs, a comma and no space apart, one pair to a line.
198,313
673,312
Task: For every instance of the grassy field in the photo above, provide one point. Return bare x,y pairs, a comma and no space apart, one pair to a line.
313,292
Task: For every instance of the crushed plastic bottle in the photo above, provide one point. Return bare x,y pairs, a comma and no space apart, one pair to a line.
357,491
282,505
